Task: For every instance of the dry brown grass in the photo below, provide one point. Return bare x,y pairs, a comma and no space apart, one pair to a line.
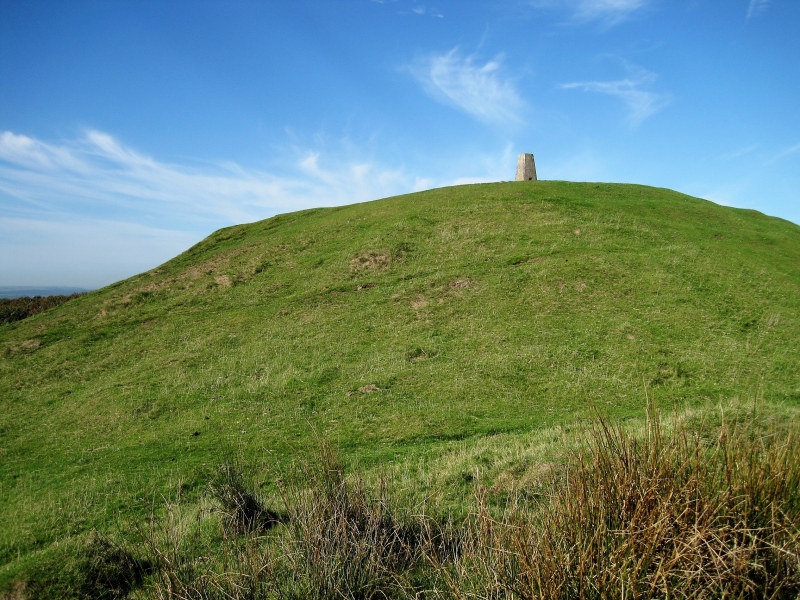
665,516
373,260
346,541
666,512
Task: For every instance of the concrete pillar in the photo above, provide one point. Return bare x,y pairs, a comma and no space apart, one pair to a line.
526,168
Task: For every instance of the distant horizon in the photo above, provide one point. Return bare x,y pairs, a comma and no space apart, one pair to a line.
10,292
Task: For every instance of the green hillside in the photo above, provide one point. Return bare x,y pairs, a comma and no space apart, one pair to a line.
393,329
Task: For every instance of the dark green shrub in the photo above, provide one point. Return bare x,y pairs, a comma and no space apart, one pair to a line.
16,309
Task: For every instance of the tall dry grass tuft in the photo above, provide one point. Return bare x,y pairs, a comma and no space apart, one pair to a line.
338,540
666,515
660,513
194,558
242,510
346,541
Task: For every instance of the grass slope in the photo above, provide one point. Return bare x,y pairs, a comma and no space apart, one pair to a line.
391,328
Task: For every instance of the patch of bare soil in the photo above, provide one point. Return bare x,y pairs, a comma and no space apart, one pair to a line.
154,287
372,260
17,592
460,283
420,302
223,260
366,389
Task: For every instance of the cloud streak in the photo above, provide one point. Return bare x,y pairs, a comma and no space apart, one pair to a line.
416,8
740,152
478,89
609,12
424,10
103,190
92,210
787,152
756,7
98,171
640,103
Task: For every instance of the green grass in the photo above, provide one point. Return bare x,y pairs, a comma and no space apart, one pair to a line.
396,329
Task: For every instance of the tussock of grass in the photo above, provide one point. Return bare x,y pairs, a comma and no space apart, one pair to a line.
667,515
653,512
345,541
520,466
338,539
242,510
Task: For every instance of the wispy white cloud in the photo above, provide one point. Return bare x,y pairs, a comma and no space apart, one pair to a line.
740,152
471,180
786,152
416,8
423,183
640,103
98,172
90,210
479,89
427,11
756,7
609,12
108,192
613,10
499,166
731,193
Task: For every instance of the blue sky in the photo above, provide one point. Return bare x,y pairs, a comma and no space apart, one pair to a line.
130,130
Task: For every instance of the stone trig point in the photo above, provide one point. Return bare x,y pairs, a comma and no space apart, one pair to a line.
526,168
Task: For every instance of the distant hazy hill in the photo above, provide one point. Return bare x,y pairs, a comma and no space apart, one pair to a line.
10,291
391,328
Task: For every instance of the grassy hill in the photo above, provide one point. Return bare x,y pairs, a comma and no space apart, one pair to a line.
395,329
